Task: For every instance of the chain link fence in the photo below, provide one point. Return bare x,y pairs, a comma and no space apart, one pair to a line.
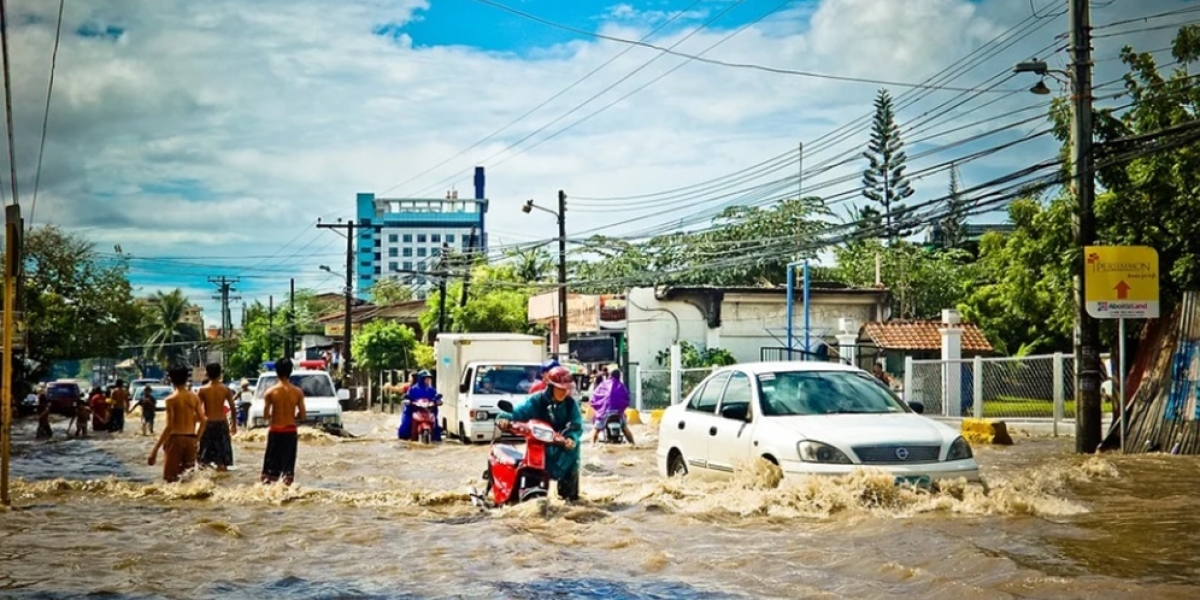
1028,387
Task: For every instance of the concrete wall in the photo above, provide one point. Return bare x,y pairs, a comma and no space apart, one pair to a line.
749,322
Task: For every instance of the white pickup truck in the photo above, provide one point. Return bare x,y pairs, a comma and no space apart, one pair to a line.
477,370
322,401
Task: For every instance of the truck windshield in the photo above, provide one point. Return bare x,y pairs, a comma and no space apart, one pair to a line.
505,379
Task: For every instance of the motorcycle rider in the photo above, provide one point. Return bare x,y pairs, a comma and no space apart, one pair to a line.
611,396
540,384
422,390
556,406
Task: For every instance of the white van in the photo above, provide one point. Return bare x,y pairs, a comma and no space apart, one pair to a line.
322,401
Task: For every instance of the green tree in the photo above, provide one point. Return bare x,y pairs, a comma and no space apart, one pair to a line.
385,345
952,227
167,330
390,291
922,282
260,341
425,357
533,265
884,182
499,302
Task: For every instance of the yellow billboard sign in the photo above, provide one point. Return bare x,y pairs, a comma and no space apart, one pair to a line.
1121,282
338,329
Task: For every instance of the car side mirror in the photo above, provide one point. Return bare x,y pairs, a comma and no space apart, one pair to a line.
343,394
917,407
464,388
736,412
505,406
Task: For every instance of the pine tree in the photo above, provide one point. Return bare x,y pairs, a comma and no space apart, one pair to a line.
953,225
884,181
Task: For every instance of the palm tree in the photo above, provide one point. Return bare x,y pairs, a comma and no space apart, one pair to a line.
533,265
167,331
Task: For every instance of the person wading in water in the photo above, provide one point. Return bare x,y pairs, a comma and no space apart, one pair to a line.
185,423
120,406
283,407
216,445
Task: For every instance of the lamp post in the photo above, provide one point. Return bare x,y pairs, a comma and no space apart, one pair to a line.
1087,342
560,215
347,322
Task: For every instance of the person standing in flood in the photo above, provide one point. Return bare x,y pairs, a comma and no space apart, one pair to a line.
120,406
43,431
149,407
283,407
216,445
185,423
99,406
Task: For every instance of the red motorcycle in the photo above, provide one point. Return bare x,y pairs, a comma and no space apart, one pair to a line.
422,420
514,476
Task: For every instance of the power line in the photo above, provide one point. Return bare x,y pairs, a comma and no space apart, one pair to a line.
8,112
712,61
37,180
1145,18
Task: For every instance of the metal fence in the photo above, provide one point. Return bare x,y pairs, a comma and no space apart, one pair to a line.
1029,387
652,387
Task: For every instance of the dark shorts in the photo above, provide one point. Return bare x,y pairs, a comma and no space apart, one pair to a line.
279,462
148,418
216,447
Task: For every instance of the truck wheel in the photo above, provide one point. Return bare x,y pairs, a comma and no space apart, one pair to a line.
462,435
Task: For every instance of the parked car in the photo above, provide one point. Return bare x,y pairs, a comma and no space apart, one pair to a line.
810,418
138,384
321,398
63,396
84,385
160,393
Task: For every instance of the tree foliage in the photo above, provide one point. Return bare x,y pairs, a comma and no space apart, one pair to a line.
922,282
498,302
385,345
166,332
884,182
390,290
692,356
952,228
77,304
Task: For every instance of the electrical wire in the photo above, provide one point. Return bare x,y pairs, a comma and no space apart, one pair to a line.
37,179
8,112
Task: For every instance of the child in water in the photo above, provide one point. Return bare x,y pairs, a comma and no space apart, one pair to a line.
43,431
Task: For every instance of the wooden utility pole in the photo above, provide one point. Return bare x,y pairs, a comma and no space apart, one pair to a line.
562,271
12,262
347,291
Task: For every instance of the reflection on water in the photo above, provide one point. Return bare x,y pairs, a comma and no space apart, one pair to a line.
377,518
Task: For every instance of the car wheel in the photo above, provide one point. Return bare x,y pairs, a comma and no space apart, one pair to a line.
676,466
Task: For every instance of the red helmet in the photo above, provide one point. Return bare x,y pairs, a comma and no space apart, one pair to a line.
560,377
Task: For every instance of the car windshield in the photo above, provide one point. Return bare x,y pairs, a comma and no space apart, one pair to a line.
62,390
161,392
314,385
505,379
792,393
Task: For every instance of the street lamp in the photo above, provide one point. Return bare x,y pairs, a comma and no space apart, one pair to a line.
560,215
1041,69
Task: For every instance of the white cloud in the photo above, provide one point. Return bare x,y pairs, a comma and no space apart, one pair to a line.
284,110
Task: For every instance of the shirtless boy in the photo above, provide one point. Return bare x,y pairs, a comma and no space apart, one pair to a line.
283,407
185,423
216,445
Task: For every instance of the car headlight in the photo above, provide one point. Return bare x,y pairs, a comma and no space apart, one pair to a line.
480,415
816,452
959,450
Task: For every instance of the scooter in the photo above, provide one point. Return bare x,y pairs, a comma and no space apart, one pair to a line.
513,476
422,420
614,431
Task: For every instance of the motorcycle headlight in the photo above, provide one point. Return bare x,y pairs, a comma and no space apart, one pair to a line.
959,450
542,434
816,452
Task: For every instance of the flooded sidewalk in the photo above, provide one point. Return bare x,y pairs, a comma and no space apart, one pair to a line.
373,517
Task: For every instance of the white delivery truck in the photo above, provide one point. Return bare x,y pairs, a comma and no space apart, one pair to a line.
477,370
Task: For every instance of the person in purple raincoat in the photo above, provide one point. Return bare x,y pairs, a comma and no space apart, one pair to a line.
610,396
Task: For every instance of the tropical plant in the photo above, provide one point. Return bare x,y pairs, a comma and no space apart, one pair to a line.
168,333
884,182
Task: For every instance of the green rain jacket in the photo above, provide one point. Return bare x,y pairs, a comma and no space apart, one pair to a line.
564,415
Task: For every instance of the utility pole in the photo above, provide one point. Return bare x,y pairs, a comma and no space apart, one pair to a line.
442,277
348,291
289,347
224,286
562,271
1087,359
12,263
270,326
468,261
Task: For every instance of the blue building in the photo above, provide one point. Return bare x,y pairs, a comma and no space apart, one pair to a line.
403,238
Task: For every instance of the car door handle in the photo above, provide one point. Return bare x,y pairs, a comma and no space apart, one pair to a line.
681,424
712,431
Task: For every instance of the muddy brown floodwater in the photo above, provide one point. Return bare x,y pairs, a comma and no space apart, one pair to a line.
376,518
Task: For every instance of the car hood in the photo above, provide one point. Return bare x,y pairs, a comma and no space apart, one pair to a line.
865,430
314,404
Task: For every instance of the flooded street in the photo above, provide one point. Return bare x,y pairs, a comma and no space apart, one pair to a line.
375,518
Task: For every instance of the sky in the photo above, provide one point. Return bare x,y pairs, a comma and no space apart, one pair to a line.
207,138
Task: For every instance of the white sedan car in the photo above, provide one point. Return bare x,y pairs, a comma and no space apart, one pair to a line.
810,418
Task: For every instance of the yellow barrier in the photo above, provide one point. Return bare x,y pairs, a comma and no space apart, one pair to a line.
587,413
632,416
656,417
981,431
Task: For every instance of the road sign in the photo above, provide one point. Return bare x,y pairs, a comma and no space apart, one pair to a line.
1121,282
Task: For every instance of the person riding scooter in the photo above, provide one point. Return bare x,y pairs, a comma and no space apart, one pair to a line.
610,397
422,390
555,406
540,384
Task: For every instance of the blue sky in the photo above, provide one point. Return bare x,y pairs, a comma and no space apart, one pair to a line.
206,138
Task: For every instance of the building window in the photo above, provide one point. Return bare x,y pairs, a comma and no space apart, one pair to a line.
449,238
420,252
392,238
408,238
435,238
378,256
435,251
392,266
421,266
408,252
365,263
393,252
407,265
420,238
378,242
378,270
